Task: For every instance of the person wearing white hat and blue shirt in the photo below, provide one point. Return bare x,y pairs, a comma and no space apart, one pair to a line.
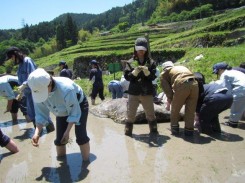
67,101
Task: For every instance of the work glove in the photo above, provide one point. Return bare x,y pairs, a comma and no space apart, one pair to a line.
19,96
21,88
145,70
136,71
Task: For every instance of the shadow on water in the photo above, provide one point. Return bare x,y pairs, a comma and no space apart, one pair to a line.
241,125
154,140
28,133
198,138
10,123
228,137
4,155
71,169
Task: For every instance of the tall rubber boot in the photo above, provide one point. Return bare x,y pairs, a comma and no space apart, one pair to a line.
93,101
189,132
216,127
128,129
233,124
175,129
153,126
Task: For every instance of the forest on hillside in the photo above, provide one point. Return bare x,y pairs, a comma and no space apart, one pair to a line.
68,29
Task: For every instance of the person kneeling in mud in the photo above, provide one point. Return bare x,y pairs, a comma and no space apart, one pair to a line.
213,99
67,101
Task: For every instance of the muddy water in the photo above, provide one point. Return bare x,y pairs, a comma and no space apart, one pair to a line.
117,158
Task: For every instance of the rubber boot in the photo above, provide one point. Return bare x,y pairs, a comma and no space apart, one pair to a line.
93,101
175,129
128,129
216,127
153,126
206,128
189,132
233,124
14,117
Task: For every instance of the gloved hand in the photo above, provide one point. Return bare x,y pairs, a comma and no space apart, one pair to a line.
21,88
145,70
19,96
136,71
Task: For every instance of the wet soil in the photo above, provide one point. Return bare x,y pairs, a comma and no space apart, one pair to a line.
117,158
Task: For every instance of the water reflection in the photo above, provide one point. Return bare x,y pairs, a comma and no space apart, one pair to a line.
71,168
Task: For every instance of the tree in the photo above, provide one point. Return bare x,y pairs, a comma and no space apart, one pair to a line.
71,33
60,37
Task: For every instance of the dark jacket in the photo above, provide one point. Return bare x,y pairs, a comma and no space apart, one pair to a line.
239,69
66,73
208,93
96,73
141,84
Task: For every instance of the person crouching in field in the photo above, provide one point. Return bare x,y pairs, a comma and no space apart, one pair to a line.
115,88
213,99
181,88
7,85
67,101
234,81
8,143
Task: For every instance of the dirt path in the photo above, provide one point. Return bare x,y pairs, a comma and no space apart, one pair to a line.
117,158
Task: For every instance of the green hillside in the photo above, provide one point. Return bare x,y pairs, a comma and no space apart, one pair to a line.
218,38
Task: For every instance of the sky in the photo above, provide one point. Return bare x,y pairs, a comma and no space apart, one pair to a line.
15,13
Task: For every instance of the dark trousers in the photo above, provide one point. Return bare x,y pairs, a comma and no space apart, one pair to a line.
4,139
80,130
210,110
98,89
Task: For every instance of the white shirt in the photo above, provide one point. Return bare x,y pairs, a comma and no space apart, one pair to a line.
234,81
6,90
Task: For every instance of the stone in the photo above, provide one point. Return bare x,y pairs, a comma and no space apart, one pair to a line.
116,109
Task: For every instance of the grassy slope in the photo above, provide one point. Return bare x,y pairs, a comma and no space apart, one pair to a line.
166,36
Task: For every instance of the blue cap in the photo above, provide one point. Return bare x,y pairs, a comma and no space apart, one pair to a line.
94,62
62,62
220,65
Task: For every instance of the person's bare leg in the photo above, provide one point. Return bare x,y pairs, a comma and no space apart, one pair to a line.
85,151
12,147
14,117
61,150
